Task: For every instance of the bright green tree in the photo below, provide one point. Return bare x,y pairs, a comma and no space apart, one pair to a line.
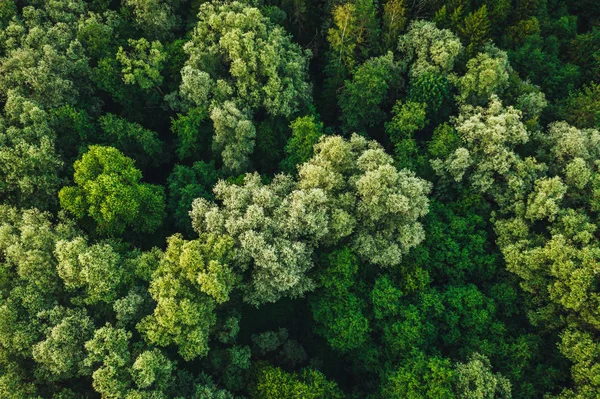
142,63
475,379
60,354
192,277
122,371
487,74
42,59
109,192
95,272
429,49
273,382
306,132
421,378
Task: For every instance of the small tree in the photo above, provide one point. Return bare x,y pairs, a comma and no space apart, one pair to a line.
109,192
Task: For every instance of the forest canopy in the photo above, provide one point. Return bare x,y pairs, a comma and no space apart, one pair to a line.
294,199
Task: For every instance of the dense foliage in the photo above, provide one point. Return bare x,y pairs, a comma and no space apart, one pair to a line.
276,199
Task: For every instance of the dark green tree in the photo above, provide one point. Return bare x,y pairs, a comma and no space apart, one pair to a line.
132,139
185,184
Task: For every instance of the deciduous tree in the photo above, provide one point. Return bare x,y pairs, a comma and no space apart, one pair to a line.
109,192
239,64
348,189
192,277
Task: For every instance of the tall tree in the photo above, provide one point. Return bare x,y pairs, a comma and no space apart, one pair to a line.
348,189
240,64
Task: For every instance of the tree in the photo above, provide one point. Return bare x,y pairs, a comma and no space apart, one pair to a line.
476,30
394,22
429,49
583,52
60,355
206,388
193,135
457,244
96,32
109,192
355,33
379,189
132,139
152,369
538,60
239,64
29,283
121,371
353,38
154,17
94,270
582,349
336,308
131,308
487,74
234,136
273,382
14,386
306,132
421,378
253,214
74,129
491,134
108,356
142,63
185,184
108,78
8,9
369,91
43,61
192,277
474,379
582,108
29,164
444,142
408,118
347,189
434,90
271,136
48,263
531,102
